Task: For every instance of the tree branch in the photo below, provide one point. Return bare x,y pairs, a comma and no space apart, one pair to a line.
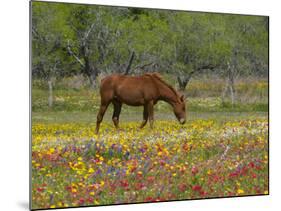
143,66
208,66
73,54
89,31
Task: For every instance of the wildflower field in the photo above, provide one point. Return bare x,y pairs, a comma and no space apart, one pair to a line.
206,157
209,71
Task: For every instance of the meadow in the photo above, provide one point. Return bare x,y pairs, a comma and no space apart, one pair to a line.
221,151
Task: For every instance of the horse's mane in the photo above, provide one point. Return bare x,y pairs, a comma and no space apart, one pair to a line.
159,78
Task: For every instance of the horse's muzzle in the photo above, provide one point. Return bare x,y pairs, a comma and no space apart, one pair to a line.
182,121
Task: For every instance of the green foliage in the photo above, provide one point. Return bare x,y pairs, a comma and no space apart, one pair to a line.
176,41
49,32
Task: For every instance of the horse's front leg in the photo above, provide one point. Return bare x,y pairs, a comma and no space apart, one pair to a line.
116,112
150,113
145,116
100,115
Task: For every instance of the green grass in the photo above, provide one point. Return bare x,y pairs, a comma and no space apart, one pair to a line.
90,117
202,96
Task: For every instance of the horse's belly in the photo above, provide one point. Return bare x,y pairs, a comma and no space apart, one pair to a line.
130,97
130,101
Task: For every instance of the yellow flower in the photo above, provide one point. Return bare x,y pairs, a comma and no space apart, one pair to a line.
92,193
240,191
91,170
127,172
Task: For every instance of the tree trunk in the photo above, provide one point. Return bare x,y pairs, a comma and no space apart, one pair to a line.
130,63
231,79
50,98
230,84
92,78
91,72
183,81
232,94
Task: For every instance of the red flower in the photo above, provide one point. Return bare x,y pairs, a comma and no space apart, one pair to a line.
182,187
81,201
233,174
251,164
124,184
150,179
68,188
203,193
196,188
113,186
244,171
258,167
194,170
148,199
40,189
139,186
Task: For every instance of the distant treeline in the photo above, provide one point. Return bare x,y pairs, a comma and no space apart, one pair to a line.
74,39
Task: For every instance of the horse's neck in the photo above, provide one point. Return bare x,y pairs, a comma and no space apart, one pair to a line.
166,94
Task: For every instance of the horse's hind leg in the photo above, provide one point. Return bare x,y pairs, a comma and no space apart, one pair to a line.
100,115
145,116
151,114
116,112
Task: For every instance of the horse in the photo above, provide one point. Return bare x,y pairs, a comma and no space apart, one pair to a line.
145,90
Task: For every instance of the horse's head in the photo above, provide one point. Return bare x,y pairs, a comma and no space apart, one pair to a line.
179,109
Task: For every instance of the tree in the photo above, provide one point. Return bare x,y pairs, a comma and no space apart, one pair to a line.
247,41
95,44
142,35
194,45
73,39
48,57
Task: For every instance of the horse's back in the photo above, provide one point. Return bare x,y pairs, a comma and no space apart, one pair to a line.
132,90
116,80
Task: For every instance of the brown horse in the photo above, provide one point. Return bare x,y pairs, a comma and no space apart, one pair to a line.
144,91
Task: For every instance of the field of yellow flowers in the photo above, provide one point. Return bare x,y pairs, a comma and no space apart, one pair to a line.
72,166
